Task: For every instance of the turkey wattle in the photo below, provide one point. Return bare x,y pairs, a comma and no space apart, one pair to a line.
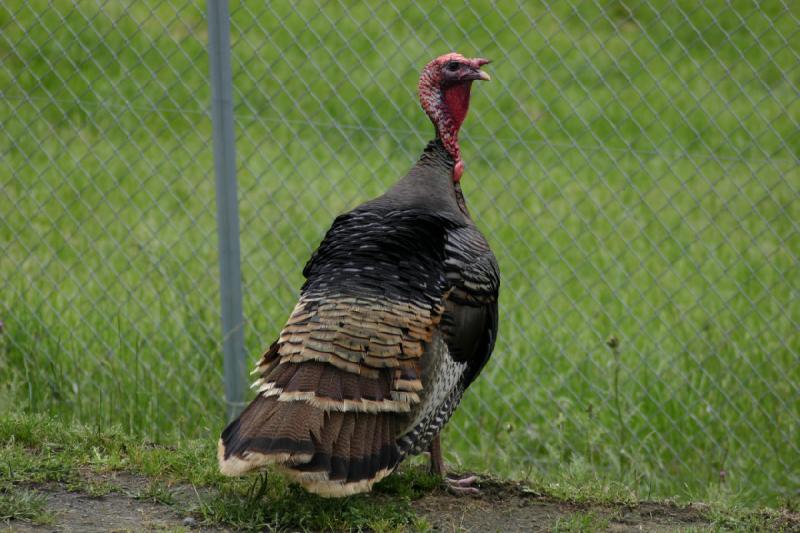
397,317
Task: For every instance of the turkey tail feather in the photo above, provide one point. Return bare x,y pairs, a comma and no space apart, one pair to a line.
333,446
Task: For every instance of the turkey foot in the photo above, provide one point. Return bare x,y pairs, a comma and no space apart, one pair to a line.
462,486
455,486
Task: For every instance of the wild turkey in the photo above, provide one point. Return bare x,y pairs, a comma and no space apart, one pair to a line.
397,317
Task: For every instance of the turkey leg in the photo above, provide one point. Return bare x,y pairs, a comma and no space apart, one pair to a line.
457,486
437,462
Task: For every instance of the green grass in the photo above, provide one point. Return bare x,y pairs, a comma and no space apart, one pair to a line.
39,449
581,523
635,169
156,492
25,505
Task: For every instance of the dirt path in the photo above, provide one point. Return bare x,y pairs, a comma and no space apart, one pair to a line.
129,505
510,508
113,512
114,502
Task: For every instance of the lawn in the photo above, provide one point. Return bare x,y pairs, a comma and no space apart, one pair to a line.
634,168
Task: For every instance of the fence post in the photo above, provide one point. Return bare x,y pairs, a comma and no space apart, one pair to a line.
219,49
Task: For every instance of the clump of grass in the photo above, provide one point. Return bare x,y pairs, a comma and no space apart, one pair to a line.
40,448
17,503
268,501
582,522
92,488
409,482
156,492
579,483
730,517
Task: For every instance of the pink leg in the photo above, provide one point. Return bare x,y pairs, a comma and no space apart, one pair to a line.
457,486
437,463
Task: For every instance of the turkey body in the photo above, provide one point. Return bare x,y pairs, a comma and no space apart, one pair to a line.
397,316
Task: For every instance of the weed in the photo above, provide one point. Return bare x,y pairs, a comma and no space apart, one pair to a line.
23,504
156,492
581,523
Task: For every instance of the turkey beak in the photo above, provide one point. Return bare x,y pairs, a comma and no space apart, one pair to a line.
479,74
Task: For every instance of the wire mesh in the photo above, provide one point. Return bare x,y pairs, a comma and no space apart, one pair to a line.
634,166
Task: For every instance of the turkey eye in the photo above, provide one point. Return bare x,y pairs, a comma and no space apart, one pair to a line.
453,66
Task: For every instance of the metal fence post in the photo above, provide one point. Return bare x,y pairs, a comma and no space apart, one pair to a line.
219,49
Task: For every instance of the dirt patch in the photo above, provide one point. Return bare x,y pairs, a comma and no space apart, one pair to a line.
509,507
114,502
113,512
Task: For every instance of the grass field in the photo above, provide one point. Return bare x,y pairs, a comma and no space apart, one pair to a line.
635,169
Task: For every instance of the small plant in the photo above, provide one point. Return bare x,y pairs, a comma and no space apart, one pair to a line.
156,492
410,482
92,488
22,504
581,523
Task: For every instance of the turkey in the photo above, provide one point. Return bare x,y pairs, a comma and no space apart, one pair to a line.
397,316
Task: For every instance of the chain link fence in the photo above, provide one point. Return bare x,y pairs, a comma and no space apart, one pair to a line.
633,164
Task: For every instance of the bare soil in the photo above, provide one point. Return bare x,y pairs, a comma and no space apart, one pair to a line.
500,507
510,507
113,512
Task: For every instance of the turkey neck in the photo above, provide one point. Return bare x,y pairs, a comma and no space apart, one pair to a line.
429,186
455,105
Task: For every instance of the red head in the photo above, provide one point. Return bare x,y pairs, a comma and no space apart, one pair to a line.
444,94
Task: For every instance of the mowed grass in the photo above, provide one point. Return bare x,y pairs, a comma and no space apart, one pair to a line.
635,169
